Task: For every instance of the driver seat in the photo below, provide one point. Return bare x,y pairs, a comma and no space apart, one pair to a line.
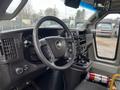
87,85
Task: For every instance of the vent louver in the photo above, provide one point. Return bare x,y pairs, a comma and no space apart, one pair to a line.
9,48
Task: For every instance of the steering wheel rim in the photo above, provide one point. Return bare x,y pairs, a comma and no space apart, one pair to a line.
37,43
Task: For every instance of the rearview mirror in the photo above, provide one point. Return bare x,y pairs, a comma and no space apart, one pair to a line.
72,3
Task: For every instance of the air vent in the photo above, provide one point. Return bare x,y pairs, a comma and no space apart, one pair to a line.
9,48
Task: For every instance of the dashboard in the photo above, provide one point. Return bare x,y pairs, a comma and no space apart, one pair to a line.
18,60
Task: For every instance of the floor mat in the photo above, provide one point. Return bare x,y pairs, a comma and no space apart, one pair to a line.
86,85
31,86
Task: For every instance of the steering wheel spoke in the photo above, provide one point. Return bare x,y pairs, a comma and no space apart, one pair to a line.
42,42
68,39
69,43
51,55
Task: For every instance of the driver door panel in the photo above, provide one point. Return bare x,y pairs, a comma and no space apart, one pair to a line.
105,58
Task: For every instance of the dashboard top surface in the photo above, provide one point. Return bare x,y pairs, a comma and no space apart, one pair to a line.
29,29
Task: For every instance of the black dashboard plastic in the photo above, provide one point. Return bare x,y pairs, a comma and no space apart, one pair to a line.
13,65
18,58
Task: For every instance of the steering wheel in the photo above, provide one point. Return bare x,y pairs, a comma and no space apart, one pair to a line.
55,46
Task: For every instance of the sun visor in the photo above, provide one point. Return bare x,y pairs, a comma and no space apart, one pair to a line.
10,8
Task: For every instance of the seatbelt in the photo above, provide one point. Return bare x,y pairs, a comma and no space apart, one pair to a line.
115,82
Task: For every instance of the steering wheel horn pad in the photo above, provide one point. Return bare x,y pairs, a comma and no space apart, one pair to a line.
57,45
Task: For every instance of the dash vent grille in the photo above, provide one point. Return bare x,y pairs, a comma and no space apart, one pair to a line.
9,48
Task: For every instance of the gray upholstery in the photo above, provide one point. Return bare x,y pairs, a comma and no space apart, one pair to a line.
86,85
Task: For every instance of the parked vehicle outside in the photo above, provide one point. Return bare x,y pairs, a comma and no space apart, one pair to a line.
104,29
116,29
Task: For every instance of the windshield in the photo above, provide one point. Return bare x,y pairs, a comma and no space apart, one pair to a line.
104,26
36,9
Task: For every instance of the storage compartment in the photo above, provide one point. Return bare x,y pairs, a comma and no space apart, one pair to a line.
73,77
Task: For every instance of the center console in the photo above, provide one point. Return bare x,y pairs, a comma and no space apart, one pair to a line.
82,64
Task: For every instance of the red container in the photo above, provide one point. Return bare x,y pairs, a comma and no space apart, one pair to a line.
98,78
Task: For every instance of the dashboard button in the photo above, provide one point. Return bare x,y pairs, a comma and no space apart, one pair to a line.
26,67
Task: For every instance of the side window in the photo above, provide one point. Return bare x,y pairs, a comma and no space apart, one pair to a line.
106,36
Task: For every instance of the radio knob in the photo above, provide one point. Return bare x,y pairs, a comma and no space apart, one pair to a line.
19,70
27,43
